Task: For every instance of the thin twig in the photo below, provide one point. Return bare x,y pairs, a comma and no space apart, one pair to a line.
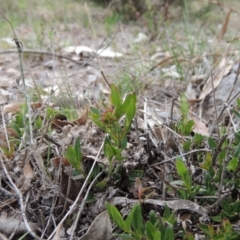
72,207
38,52
82,205
218,149
105,79
20,199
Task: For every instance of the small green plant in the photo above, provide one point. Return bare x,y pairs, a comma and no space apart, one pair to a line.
188,190
74,156
221,233
109,121
135,228
184,126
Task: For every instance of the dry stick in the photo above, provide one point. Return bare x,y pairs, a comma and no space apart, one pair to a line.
5,130
180,155
82,205
19,50
48,54
79,194
20,200
218,149
223,172
105,79
215,105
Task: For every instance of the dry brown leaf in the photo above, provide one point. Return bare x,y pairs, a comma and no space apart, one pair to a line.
59,124
101,227
217,78
12,108
28,171
56,162
225,25
82,120
139,187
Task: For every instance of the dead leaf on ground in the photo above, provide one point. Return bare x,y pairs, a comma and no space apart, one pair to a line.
82,120
200,127
223,69
225,25
173,204
15,107
60,160
9,225
100,229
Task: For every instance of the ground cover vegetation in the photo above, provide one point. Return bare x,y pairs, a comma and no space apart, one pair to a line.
119,119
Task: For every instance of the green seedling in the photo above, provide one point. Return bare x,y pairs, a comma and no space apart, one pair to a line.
184,126
109,121
230,210
74,156
188,189
134,227
221,233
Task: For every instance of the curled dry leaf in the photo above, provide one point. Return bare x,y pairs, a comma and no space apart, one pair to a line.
12,108
59,124
60,121
82,120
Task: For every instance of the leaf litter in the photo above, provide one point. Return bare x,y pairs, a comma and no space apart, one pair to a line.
44,176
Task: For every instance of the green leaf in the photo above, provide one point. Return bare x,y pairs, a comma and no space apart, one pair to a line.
204,228
121,110
115,96
212,144
169,234
116,216
188,127
137,221
207,162
130,113
181,168
135,173
227,225
152,217
157,235
233,164
94,111
150,230
184,106
38,122
74,155
77,149
237,152
124,236
128,221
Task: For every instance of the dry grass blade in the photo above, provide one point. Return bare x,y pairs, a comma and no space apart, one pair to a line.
225,25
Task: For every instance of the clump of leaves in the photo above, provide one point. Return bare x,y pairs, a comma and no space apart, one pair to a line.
74,156
109,121
134,227
184,126
187,188
224,232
